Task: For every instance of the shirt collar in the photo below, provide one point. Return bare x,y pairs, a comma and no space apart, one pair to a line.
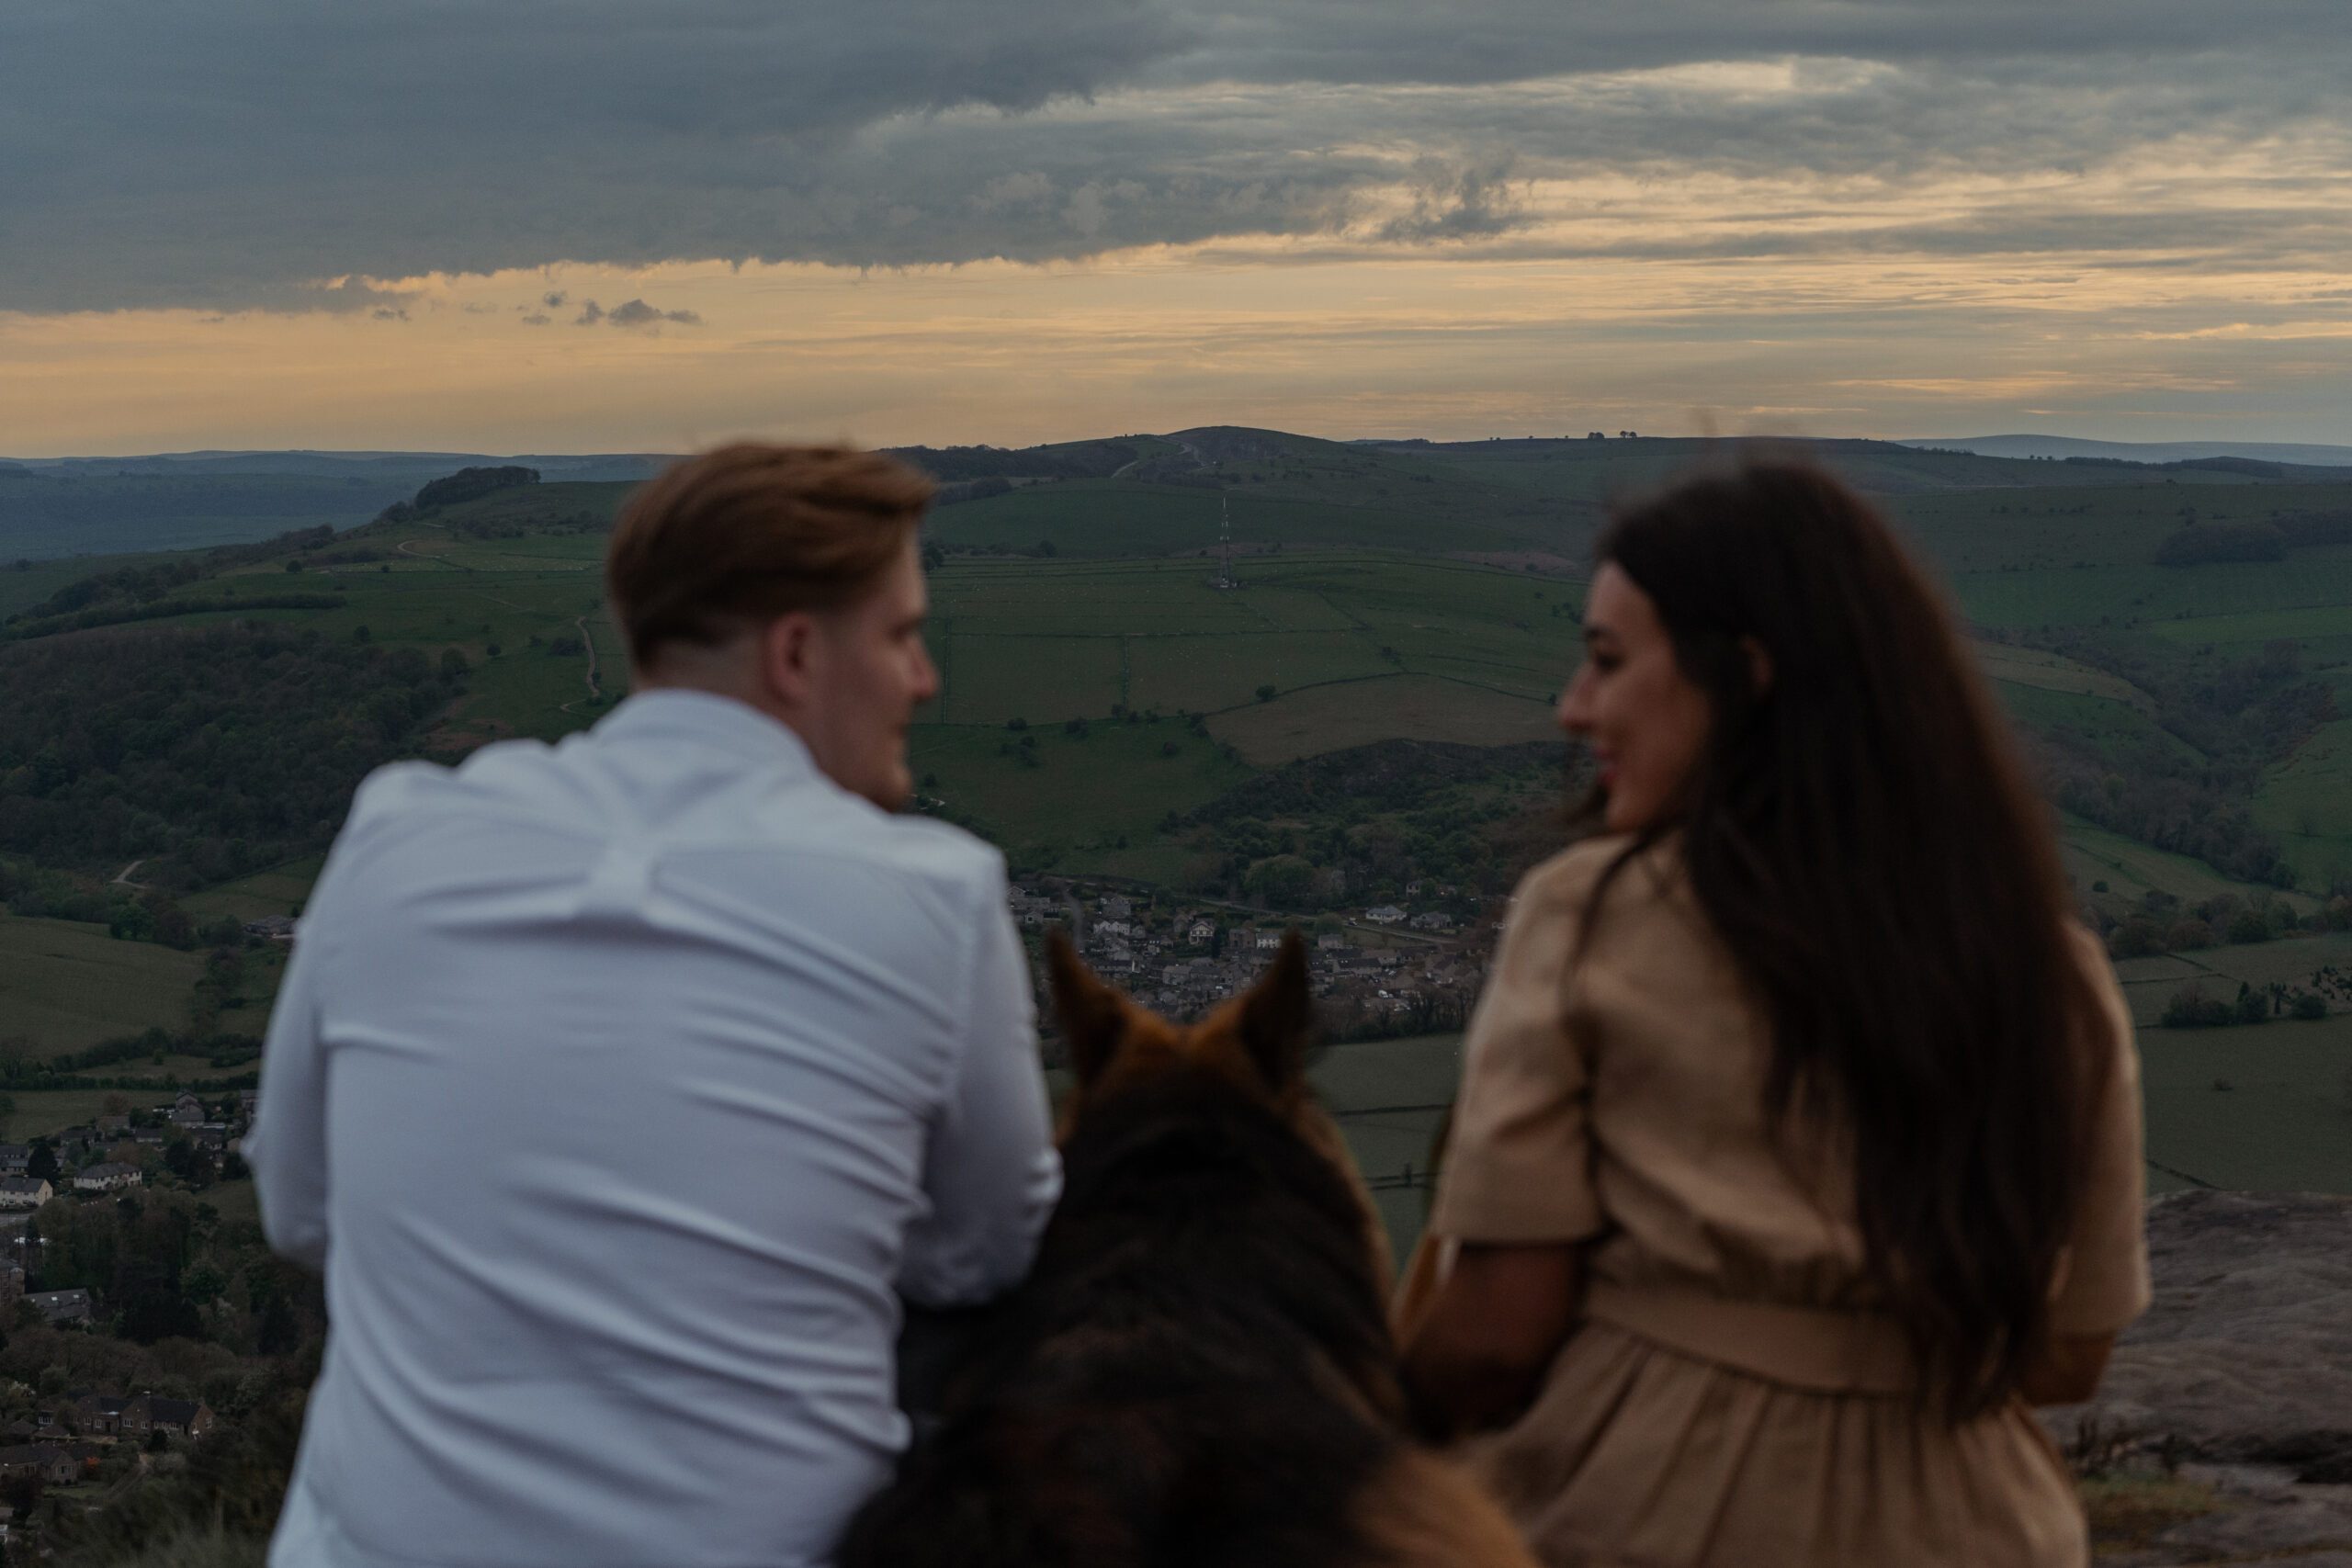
705,718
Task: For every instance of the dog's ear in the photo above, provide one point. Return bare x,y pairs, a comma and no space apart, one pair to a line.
1091,1014
1278,1016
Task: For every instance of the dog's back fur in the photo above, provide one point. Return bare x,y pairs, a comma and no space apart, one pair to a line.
1198,1370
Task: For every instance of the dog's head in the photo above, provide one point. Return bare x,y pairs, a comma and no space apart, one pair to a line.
1258,1042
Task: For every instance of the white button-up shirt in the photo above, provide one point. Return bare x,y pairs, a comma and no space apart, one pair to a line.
617,1087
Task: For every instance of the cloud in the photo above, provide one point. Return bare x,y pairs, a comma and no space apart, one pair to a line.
589,314
637,313
249,154
1458,199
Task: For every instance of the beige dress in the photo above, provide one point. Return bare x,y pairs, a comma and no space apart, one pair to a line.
1728,1398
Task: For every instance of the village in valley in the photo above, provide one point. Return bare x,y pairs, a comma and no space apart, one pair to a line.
57,1435
1377,973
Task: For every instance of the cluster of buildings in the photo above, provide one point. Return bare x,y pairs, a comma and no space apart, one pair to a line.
66,1436
111,1152
108,1155
1187,960
85,1413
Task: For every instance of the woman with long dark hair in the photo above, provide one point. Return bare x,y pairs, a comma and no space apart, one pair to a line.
1798,1146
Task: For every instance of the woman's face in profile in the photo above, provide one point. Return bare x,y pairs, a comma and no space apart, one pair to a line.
1629,703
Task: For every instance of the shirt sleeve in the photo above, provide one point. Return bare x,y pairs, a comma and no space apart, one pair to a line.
991,1171
1519,1161
2103,1283
287,1147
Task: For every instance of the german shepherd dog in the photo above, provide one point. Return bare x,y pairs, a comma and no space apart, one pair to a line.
1198,1370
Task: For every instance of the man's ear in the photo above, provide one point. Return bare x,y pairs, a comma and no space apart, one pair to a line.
785,645
1091,1014
1278,1016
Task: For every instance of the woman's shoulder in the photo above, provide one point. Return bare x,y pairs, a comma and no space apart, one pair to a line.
1569,877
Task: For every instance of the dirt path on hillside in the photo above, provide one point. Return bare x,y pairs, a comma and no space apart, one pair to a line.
588,640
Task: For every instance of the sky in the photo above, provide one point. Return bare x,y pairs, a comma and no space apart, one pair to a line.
593,225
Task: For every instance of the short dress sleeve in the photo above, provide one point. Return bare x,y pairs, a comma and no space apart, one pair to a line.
1519,1161
2103,1283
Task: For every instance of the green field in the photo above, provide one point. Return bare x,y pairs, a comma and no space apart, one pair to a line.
2131,870
2265,1108
65,985
1096,800
1049,640
1316,719
40,1112
1389,1098
278,891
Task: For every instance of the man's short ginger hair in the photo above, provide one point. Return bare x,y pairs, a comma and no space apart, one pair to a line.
743,534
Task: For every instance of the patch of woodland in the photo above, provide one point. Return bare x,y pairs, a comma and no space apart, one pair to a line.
1444,825
2232,717
205,752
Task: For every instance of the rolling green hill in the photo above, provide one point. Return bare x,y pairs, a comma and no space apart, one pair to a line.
1101,696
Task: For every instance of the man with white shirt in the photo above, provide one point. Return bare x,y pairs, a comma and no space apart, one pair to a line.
621,1088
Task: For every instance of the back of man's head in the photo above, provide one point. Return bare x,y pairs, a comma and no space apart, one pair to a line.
740,535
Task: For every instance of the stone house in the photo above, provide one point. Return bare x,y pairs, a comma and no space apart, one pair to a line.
51,1463
106,1178
14,1157
88,1412
24,1192
152,1412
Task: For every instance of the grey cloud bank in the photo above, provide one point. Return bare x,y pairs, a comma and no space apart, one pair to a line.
250,153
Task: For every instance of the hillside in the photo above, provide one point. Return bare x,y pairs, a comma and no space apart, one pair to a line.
1282,487
57,508
2064,447
1108,711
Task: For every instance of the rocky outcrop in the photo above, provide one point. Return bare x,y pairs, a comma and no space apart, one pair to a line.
2241,1376
2246,1355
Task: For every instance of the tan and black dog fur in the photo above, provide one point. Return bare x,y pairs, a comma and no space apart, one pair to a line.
1198,1372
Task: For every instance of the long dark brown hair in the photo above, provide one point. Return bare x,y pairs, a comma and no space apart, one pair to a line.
1862,836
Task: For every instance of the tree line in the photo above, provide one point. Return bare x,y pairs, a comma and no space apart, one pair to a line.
205,751
2233,717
